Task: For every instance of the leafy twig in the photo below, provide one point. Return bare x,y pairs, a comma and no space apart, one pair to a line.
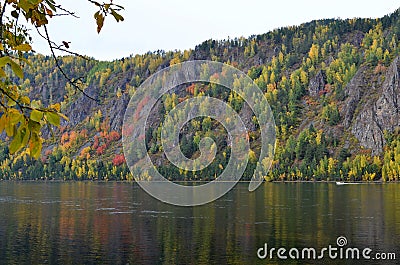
67,12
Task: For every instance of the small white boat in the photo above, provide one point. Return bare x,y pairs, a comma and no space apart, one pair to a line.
347,183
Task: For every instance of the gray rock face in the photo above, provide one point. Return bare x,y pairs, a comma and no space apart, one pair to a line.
387,106
246,114
81,108
116,110
378,113
354,91
317,84
84,107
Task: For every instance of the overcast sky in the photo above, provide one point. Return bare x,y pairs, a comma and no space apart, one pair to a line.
182,24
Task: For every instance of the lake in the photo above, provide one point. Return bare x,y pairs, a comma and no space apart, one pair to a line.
118,223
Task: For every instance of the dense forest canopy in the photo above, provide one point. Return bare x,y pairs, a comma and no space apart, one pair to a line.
319,78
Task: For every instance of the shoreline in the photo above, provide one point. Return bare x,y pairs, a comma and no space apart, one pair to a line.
198,181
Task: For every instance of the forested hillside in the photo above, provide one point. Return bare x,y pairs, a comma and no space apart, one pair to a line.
333,85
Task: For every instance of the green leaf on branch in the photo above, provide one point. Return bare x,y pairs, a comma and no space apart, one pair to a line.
4,60
53,118
2,122
23,47
14,116
11,103
10,129
117,16
26,136
36,115
17,69
34,126
51,4
26,5
15,144
35,146
26,100
20,139
35,104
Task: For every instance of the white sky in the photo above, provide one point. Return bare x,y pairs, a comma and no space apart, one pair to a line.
182,24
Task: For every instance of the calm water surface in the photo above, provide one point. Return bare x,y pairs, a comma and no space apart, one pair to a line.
118,223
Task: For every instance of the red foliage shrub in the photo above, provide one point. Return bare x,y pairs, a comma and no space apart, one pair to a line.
96,142
118,160
103,134
84,133
100,150
64,138
113,136
73,137
190,89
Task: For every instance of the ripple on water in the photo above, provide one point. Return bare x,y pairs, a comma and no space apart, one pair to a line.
122,212
156,212
106,209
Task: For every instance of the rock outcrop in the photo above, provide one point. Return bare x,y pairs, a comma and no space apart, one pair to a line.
354,91
317,84
377,107
81,108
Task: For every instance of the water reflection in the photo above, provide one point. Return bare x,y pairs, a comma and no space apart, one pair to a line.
118,223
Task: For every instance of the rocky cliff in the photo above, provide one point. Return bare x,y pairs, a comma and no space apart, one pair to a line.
372,105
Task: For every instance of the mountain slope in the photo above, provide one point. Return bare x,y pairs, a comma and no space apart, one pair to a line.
333,86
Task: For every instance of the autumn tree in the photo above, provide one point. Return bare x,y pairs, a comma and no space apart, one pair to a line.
22,118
